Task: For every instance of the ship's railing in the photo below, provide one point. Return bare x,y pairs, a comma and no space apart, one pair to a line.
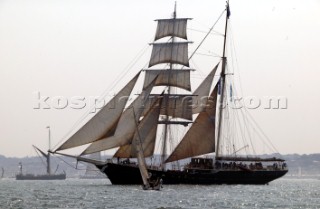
248,159
252,166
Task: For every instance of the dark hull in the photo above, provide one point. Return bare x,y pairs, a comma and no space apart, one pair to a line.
41,177
122,174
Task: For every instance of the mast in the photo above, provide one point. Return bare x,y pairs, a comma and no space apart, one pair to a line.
48,155
222,81
164,147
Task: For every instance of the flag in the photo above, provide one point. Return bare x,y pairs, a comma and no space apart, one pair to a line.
228,11
219,87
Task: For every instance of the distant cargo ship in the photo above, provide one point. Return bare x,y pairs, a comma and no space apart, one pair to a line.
48,175
61,176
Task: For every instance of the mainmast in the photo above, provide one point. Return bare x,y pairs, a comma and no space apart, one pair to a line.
165,137
222,81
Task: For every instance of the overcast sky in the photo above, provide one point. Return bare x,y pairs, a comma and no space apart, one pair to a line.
79,48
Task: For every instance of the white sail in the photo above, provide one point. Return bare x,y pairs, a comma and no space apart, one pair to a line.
172,27
147,131
103,123
179,106
200,138
140,137
126,126
92,171
174,53
142,166
201,93
177,78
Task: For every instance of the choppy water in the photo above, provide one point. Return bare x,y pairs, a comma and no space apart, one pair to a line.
283,193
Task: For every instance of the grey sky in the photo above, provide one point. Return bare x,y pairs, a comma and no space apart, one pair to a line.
77,48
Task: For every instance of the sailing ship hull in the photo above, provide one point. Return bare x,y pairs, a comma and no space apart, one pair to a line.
122,174
41,177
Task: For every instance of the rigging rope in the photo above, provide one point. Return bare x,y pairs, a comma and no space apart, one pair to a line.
212,32
40,157
245,129
207,35
103,95
74,167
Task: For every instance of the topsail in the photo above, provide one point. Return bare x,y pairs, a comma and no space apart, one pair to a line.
173,53
172,27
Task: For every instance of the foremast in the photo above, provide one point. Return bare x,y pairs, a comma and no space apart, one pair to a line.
166,119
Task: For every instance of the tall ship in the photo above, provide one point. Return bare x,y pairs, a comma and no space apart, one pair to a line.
49,175
169,109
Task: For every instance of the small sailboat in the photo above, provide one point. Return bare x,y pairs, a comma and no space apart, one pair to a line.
135,128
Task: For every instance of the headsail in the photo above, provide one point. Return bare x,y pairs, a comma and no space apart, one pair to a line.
200,138
103,123
126,126
147,133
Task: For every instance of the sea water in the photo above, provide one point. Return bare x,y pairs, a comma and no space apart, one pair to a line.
79,193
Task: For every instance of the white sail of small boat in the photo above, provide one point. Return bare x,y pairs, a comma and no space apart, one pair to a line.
2,172
91,170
